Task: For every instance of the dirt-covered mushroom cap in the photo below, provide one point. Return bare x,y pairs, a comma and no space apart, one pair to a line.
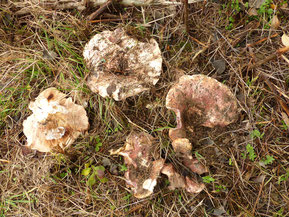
55,123
142,170
121,66
178,181
200,100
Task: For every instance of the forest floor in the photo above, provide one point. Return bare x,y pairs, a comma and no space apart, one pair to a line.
239,46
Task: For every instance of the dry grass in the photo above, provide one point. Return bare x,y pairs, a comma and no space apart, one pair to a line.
52,185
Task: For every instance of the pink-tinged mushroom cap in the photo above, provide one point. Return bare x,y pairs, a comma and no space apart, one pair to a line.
142,171
55,123
200,100
178,181
121,66
183,149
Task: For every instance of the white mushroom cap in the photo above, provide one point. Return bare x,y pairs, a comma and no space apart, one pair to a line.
55,122
121,66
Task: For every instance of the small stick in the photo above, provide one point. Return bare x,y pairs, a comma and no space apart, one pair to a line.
104,20
196,40
186,14
258,197
4,161
100,10
267,59
262,40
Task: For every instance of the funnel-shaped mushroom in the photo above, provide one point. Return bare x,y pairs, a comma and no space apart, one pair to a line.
142,172
55,123
200,100
121,66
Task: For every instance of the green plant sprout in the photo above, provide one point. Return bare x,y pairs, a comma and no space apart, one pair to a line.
256,134
250,152
208,179
284,177
122,167
93,172
269,160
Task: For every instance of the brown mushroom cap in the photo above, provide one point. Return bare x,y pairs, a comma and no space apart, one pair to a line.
121,66
55,122
142,172
200,100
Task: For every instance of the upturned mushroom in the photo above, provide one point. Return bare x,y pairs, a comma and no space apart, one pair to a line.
55,123
142,168
199,100
120,65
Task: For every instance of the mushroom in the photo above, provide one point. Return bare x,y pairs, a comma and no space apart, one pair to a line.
121,66
183,149
55,122
200,100
142,170
178,181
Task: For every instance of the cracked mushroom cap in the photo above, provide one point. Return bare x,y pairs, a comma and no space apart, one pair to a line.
55,122
121,66
200,100
178,181
142,173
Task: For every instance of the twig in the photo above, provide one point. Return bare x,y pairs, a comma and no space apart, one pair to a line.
196,40
262,40
186,14
104,20
100,10
258,197
279,52
4,161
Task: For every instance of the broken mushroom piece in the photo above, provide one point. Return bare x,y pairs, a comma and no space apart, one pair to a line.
142,170
200,100
183,149
121,66
178,181
55,122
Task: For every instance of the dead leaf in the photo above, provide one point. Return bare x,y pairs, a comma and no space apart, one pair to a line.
275,22
285,40
219,65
